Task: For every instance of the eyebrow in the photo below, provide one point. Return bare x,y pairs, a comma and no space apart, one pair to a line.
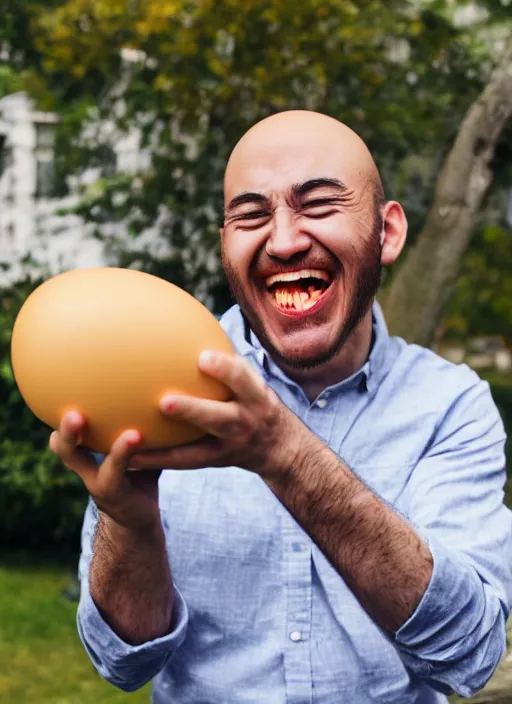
243,198
298,189
301,189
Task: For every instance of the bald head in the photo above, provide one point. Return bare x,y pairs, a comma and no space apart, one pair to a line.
304,238
300,145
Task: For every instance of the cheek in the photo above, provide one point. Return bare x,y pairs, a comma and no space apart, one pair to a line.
346,236
338,237
239,250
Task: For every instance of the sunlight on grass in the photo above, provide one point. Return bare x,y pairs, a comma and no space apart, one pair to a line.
43,661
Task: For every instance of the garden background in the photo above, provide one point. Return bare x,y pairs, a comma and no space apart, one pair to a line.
116,119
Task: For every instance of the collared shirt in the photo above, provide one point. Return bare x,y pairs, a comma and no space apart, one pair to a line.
262,617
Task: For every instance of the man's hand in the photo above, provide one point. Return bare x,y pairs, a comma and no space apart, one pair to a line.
130,499
254,430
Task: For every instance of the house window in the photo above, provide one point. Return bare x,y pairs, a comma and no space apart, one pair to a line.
45,162
4,159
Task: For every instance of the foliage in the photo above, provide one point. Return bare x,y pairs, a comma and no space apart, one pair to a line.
10,82
20,59
41,503
481,304
201,73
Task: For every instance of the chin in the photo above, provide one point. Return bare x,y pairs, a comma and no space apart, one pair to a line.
302,356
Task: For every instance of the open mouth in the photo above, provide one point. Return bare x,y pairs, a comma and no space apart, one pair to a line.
298,291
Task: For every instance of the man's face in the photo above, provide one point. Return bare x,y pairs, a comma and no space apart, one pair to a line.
301,248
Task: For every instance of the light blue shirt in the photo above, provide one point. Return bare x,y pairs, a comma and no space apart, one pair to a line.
262,617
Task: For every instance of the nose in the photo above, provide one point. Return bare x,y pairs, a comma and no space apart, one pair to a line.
286,238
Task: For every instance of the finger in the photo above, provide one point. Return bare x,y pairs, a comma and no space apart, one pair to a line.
79,460
219,418
235,373
206,452
111,474
70,432
64,443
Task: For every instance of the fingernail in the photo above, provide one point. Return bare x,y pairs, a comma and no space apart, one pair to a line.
133,438
74,417
168,404
207,358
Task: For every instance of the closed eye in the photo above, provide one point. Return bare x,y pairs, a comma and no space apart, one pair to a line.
319,207
255,215
251,220
320,201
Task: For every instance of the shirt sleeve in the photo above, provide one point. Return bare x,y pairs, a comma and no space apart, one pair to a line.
457,635
125,666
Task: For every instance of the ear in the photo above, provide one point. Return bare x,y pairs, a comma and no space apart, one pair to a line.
394,232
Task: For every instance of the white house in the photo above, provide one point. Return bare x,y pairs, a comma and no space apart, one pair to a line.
35,235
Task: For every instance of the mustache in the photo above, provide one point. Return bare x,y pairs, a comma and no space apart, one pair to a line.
264,266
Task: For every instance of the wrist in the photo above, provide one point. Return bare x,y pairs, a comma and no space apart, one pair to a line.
299,458
149,531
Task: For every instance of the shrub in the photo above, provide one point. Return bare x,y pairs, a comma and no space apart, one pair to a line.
41,504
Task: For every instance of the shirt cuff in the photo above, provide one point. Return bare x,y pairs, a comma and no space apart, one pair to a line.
128,667
445,625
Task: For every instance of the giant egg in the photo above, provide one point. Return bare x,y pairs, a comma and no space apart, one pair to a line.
109,343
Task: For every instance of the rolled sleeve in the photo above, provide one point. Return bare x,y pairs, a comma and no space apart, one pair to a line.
457,635
127,667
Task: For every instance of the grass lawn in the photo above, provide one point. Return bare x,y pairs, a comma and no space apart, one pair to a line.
42,658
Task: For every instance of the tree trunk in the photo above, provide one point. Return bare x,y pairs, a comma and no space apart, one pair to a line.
415,300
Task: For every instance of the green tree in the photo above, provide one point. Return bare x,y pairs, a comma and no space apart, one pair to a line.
201,73
20,58
481,302
419,291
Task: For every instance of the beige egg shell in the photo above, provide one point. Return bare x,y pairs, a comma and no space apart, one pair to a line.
110,343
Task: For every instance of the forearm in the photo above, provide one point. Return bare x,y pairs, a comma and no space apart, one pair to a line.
130,581
379,555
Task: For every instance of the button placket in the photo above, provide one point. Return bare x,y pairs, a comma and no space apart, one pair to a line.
297,654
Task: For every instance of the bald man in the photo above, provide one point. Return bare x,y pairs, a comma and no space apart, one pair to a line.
343,537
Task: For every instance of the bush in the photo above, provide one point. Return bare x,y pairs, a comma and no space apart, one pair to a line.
41,503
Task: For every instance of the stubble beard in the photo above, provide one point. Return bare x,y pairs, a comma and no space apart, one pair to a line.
368,279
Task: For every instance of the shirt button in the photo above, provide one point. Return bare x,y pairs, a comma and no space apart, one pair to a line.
321,403
295,636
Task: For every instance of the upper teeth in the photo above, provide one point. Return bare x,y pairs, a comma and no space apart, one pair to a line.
297,275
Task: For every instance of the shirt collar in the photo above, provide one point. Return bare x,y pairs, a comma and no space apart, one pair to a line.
248,345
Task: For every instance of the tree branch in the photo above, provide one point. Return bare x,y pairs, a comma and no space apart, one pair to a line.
422,285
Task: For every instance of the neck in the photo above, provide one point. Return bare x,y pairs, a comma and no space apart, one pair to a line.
351,357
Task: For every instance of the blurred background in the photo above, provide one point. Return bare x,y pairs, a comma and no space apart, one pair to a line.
116,120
